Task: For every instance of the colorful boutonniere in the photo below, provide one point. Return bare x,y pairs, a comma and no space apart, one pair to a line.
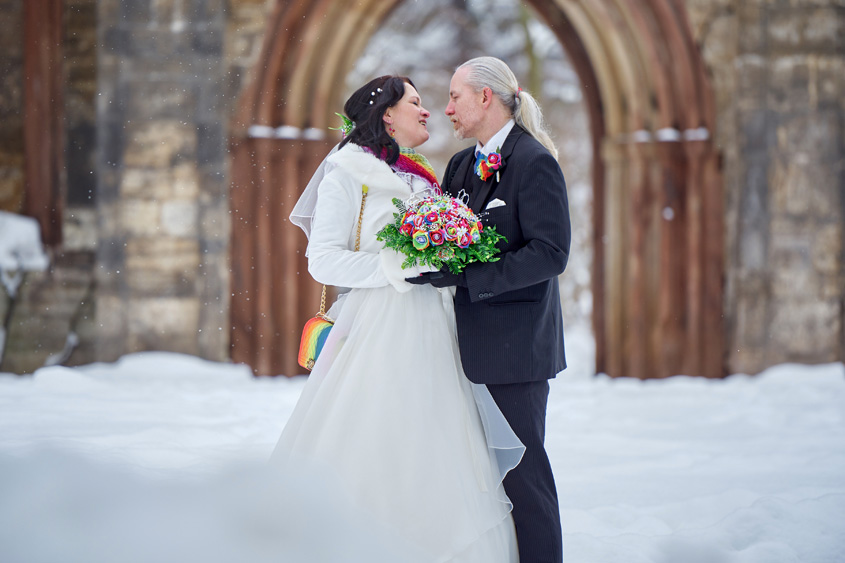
485,165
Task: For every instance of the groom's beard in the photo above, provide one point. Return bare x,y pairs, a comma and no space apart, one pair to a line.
461,134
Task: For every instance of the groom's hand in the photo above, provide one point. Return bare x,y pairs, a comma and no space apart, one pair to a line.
441,279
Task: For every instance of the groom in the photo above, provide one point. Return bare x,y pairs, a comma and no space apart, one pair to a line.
510,328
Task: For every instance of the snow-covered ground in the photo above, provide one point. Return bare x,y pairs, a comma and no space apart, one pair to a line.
159,458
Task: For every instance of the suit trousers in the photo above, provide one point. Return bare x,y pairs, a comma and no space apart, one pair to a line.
531,485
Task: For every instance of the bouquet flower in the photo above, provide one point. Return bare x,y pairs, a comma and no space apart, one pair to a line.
439,230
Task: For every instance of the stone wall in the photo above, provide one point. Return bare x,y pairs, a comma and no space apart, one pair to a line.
246,25
162,275
51,318
80,96
11,105
151,87
778,72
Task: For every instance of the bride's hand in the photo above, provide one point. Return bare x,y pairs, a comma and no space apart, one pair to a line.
391,265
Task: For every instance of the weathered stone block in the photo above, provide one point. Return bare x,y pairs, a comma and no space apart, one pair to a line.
139,217
753,296
80,162
789,83
158,283
80,229
155,43
11,40
185,183
135,11
805,330
756,131
162,266
167,254
753,216
214,98
815,134
214,197
86,330
169,324
829,88
179,218
180,182
11,189
160,143
112,326
751,72
789,186
827,251
791,279
111,254
170,99
805,30
831,290
112,145
753,35
211,144
206,10
216,223
108,218
207,41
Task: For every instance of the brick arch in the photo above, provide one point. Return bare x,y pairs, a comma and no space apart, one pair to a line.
657,277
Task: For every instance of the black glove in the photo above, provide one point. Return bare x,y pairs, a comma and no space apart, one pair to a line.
443,278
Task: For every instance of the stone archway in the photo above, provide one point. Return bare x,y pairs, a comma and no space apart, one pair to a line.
657,279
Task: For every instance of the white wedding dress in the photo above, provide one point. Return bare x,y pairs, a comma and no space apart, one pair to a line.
387,408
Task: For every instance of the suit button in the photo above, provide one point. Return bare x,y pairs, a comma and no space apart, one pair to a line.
481,296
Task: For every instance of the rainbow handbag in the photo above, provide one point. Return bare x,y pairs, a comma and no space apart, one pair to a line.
314,336
317,328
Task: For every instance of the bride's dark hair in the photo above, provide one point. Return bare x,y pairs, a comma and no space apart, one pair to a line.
366,108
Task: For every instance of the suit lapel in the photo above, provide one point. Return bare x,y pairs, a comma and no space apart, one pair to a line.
482,191
460,174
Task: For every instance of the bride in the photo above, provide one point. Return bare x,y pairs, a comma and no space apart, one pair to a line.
387,407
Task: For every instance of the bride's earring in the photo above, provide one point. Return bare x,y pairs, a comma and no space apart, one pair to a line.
390,130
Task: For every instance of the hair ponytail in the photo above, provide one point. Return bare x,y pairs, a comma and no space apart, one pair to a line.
493,73
528,115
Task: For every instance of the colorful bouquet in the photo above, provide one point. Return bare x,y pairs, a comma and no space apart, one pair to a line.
439,230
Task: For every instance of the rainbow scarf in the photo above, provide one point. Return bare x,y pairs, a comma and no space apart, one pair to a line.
412,162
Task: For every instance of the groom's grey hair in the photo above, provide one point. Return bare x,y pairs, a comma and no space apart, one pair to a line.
493,73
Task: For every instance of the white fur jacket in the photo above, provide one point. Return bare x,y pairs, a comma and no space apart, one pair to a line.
332,259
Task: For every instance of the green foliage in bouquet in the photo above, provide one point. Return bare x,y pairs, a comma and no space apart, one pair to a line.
438,231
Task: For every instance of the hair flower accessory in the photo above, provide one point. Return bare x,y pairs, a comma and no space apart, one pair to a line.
346,126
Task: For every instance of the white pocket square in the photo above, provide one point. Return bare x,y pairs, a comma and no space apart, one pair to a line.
495,203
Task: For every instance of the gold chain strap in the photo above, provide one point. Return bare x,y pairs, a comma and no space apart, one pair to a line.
365,189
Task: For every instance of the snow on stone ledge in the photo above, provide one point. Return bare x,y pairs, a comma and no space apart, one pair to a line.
20,244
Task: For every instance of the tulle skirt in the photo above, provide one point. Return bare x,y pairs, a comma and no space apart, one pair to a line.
417,446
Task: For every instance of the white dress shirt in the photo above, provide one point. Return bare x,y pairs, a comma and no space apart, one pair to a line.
496,141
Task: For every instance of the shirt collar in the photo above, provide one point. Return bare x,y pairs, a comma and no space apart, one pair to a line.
496,141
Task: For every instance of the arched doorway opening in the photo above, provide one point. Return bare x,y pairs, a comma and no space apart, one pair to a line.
657,275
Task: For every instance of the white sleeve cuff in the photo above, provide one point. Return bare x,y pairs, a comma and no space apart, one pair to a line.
391,265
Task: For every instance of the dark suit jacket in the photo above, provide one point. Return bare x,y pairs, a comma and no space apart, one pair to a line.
510,327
